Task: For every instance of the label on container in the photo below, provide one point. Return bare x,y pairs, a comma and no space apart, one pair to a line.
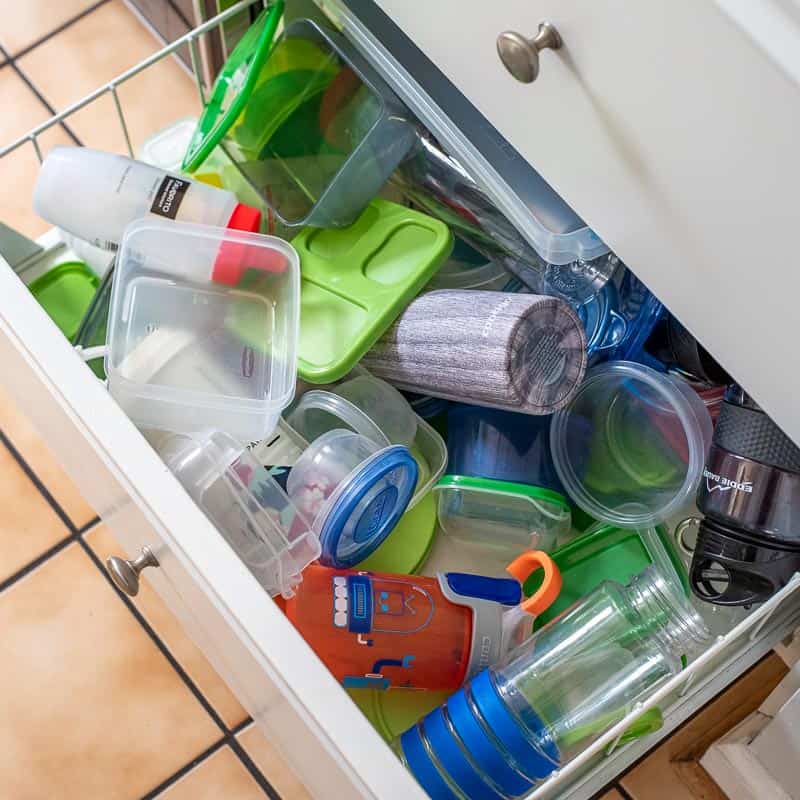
169,196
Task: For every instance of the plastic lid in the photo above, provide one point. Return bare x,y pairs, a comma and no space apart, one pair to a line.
365,507
233,87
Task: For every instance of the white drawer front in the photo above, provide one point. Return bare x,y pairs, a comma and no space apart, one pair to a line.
674,135
276,676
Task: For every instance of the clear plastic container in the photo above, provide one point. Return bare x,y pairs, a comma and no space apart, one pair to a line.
188,352
252,512
321,132
354,490
631,444
468,269
501,492
555,694
373,408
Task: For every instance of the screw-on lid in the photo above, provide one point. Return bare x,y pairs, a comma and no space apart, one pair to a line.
366,506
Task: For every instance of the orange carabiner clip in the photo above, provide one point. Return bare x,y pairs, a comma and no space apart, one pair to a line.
524,566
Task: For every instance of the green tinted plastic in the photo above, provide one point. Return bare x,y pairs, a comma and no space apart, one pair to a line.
65,293
233,87
606,553
502,487
357,280
92,330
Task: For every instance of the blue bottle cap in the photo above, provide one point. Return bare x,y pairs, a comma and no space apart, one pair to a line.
369,504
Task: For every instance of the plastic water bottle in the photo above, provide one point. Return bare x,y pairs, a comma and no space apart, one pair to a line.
514,724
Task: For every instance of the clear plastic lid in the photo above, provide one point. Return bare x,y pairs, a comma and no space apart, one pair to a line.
187,352
247,505
631,444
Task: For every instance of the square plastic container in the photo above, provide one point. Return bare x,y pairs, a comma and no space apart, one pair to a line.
187,351
321,131
247,504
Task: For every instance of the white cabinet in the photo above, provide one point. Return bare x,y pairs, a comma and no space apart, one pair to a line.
625,145
671,127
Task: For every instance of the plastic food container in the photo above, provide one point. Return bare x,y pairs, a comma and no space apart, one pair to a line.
373,408
501,492
354,490
252,512
320,131
468,269
630,446
187,351
65,293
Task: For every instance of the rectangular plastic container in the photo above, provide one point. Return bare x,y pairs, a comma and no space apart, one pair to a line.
187,352
321,132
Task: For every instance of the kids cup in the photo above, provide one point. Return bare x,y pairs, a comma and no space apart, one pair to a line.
501,492
630,446
354,491
381,631
252,512
203,328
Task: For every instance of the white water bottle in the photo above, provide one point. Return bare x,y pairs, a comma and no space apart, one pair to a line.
94,195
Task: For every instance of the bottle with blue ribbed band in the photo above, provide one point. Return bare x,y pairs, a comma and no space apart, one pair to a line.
514,724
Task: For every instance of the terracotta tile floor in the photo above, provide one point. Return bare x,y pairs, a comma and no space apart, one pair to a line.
93,704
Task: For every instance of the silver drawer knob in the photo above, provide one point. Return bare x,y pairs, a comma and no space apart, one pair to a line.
520,56
125,573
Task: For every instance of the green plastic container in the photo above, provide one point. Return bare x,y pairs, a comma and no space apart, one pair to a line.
357,280
65,293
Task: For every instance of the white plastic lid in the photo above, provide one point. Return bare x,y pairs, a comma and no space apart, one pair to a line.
186,353
247,505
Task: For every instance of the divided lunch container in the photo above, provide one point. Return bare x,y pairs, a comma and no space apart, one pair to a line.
320,131
501,491
187,351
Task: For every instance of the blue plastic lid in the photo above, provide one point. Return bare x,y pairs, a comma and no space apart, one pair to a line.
642,311
368,506
474,742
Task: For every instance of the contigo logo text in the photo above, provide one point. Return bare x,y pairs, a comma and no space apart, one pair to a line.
719,483
487,326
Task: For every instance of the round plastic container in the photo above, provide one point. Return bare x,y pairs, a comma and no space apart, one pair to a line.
203,328
630,446
355,492
468,269
501,491
252,512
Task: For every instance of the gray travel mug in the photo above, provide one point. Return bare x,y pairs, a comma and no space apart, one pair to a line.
520,352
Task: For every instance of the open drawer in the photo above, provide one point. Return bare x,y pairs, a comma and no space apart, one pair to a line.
283,685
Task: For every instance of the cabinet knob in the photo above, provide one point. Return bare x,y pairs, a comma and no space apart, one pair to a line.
520,56
125,573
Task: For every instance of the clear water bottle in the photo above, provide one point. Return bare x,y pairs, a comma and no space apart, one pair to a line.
514,724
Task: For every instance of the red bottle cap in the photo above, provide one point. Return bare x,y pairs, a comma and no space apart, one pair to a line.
235,258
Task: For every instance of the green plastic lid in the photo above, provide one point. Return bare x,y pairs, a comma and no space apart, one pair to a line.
233,87
502,487
394,711
608,553
65,293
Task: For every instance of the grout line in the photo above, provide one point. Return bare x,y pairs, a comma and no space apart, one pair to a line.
34,478
37,562
190,684
63,26
88,526
623,791
254,771
237,729
184,770
29,83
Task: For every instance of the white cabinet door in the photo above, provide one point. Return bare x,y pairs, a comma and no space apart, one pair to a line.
675,135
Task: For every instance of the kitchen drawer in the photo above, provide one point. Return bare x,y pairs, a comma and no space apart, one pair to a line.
671,127
277,677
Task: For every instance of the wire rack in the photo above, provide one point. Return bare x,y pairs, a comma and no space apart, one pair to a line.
112,87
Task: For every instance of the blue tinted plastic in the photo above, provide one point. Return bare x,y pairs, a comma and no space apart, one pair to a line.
500,590
500,445
641,311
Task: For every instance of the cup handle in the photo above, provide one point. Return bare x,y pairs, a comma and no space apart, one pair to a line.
524,566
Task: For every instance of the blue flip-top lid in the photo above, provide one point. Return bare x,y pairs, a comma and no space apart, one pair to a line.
368,506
